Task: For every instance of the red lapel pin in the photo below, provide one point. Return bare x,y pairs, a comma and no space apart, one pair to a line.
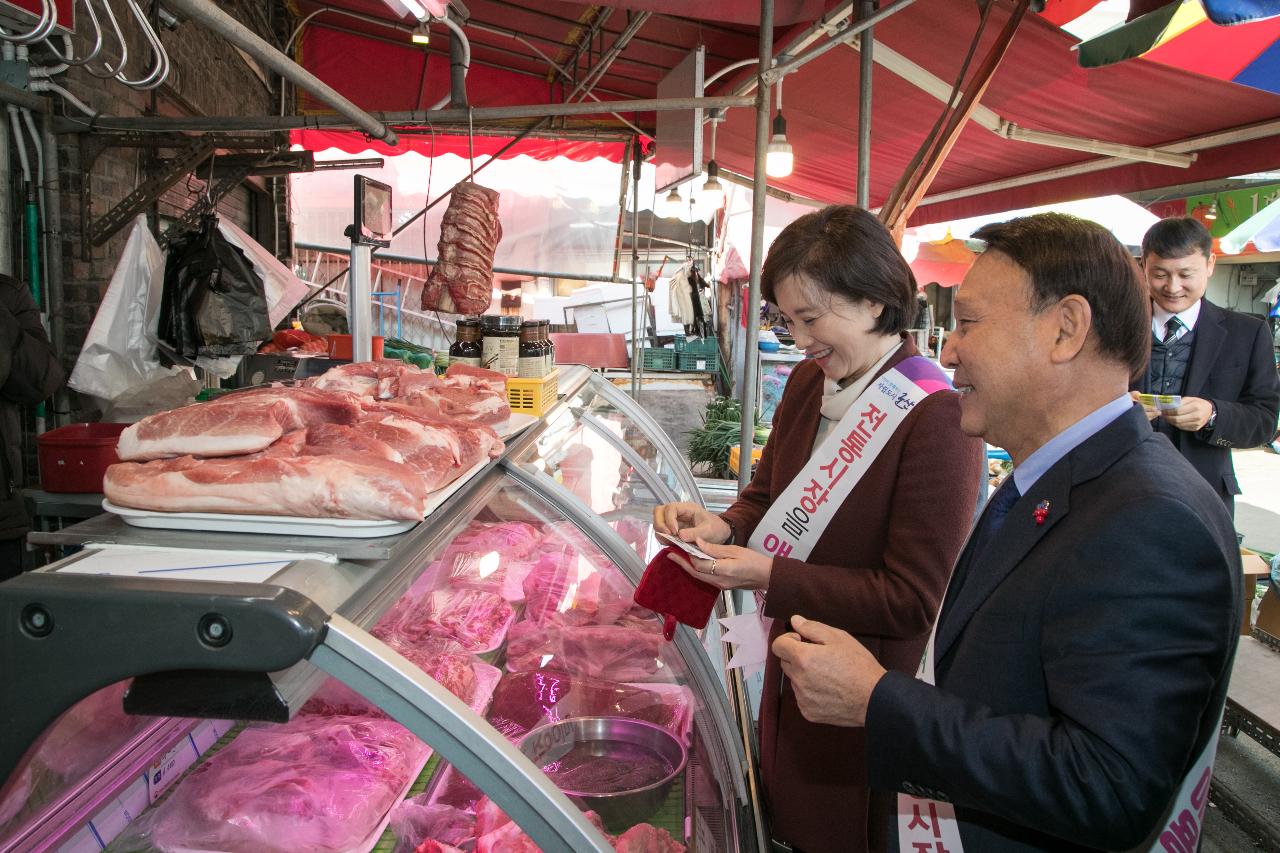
1041,512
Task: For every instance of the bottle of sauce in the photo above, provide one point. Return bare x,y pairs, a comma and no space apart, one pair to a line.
501,347
547,345
533,359
467,349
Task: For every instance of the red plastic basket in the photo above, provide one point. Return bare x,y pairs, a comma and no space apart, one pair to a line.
73,458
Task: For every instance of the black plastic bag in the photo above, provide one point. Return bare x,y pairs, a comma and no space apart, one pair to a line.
213,304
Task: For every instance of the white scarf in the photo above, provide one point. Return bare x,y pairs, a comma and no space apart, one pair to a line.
836,400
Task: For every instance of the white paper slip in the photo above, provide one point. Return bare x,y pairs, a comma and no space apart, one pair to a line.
688,547
185,563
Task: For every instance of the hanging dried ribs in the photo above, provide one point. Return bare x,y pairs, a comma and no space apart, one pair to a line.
462,280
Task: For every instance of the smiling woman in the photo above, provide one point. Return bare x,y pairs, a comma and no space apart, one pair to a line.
866,448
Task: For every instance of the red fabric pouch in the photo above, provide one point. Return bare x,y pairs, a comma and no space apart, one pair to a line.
671,591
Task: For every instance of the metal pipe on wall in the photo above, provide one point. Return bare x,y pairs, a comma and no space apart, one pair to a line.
751,367
219,22
635,276
6,206
866,66
54,271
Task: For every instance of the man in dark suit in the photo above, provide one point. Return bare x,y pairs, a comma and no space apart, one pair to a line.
1083,649
1220,362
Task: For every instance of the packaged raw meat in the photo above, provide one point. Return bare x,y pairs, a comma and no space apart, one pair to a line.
614,651
462,280
575,588
416,822
525,700
430,846
490,572
644,838
509,538
316,783
496,833
71,748
455,672
478,621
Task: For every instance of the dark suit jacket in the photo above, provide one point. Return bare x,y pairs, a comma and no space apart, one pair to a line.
1083,663
1231,364
878,571
29,372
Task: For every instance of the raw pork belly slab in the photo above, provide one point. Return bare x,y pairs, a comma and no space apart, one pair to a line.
378,379
353,486
238,423
466,376
465,404
439,451
340,439
318,784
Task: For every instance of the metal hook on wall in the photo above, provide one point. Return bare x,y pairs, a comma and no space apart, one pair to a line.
108,71
97,41
48,20
160,70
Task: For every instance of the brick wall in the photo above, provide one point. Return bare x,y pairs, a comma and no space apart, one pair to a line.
208,77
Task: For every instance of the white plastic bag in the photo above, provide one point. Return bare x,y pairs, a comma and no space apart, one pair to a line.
118,363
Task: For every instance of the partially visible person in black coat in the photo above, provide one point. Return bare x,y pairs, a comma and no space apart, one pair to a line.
29,372
1221,362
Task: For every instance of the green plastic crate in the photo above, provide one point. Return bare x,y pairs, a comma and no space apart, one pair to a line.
700,362
700,346
659,359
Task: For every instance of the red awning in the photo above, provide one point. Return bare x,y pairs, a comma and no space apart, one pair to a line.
1039,86
539,149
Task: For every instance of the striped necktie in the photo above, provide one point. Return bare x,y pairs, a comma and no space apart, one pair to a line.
1171,330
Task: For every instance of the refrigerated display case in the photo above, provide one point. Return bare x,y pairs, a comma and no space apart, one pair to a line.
526,571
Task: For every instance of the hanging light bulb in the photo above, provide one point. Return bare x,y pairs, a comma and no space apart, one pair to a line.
712,192
421,34
1213,211
672,205
779,158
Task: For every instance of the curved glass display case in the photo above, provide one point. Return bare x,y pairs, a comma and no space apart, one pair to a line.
483,681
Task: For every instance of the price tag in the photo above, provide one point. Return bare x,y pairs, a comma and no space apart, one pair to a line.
166,771
549,745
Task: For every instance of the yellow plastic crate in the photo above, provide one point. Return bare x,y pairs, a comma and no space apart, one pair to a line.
735,454
533,396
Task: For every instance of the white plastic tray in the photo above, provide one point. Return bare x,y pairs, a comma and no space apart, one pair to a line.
289,525
517,423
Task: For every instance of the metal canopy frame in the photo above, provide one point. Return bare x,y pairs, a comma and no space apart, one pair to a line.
839,28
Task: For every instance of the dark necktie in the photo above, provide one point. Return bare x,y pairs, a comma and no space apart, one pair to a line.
988,526
1171,330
